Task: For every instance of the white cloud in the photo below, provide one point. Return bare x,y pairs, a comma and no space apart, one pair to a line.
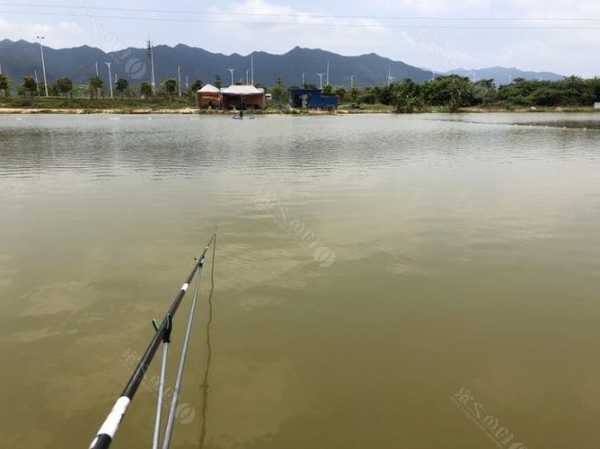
467,43
556,8
60,34
439,7
280,28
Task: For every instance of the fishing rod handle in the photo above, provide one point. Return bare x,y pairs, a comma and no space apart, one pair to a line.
108,429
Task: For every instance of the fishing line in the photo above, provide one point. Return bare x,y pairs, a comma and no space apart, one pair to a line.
180,369
204,385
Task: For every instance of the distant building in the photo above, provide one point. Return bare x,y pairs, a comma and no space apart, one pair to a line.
238,97
242,97
208,96
597,105
311,99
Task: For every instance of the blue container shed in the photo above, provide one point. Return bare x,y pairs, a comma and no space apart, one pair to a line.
312,99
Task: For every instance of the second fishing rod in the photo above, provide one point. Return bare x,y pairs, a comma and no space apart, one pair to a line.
107,431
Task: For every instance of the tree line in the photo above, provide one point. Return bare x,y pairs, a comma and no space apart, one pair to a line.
94,88
454,92
450,93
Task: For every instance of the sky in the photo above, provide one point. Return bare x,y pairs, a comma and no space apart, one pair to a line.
543,35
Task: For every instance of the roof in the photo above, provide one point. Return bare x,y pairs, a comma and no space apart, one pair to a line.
209,88
242,90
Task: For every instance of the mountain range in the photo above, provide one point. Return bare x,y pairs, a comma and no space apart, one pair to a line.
505,75
22,58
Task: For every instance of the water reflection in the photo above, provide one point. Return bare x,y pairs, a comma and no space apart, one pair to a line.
105,147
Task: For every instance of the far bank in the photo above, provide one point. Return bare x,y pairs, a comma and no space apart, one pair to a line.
184,105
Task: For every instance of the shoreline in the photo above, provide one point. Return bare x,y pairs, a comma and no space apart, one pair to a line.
339,111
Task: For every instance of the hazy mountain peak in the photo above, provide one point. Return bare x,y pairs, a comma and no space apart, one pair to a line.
504,75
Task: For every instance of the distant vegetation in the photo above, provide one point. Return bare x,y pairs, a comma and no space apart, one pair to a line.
445,93
94,94
454,92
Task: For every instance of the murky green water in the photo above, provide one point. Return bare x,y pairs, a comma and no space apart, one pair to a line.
368,268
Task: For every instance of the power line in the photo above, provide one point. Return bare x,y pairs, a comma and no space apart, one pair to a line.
302,15
303,24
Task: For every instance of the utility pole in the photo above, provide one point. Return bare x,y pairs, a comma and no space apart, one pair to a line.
37,83
231,71
109,79
351,81
97,71
327,73
179,80
151,56
247,79
187,82
320,75
303,83
252,68
40,39
390,78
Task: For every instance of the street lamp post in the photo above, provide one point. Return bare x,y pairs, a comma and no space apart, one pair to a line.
110,82
320,75
40,39
37,83
179,80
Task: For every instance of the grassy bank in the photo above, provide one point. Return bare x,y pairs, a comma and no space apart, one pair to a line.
122,105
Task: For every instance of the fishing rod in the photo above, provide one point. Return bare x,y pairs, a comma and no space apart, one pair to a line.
109,428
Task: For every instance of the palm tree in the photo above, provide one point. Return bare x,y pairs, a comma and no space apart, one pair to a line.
170,86
4,84
29,85
146,90
196,85
64,86
95,86
121,86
